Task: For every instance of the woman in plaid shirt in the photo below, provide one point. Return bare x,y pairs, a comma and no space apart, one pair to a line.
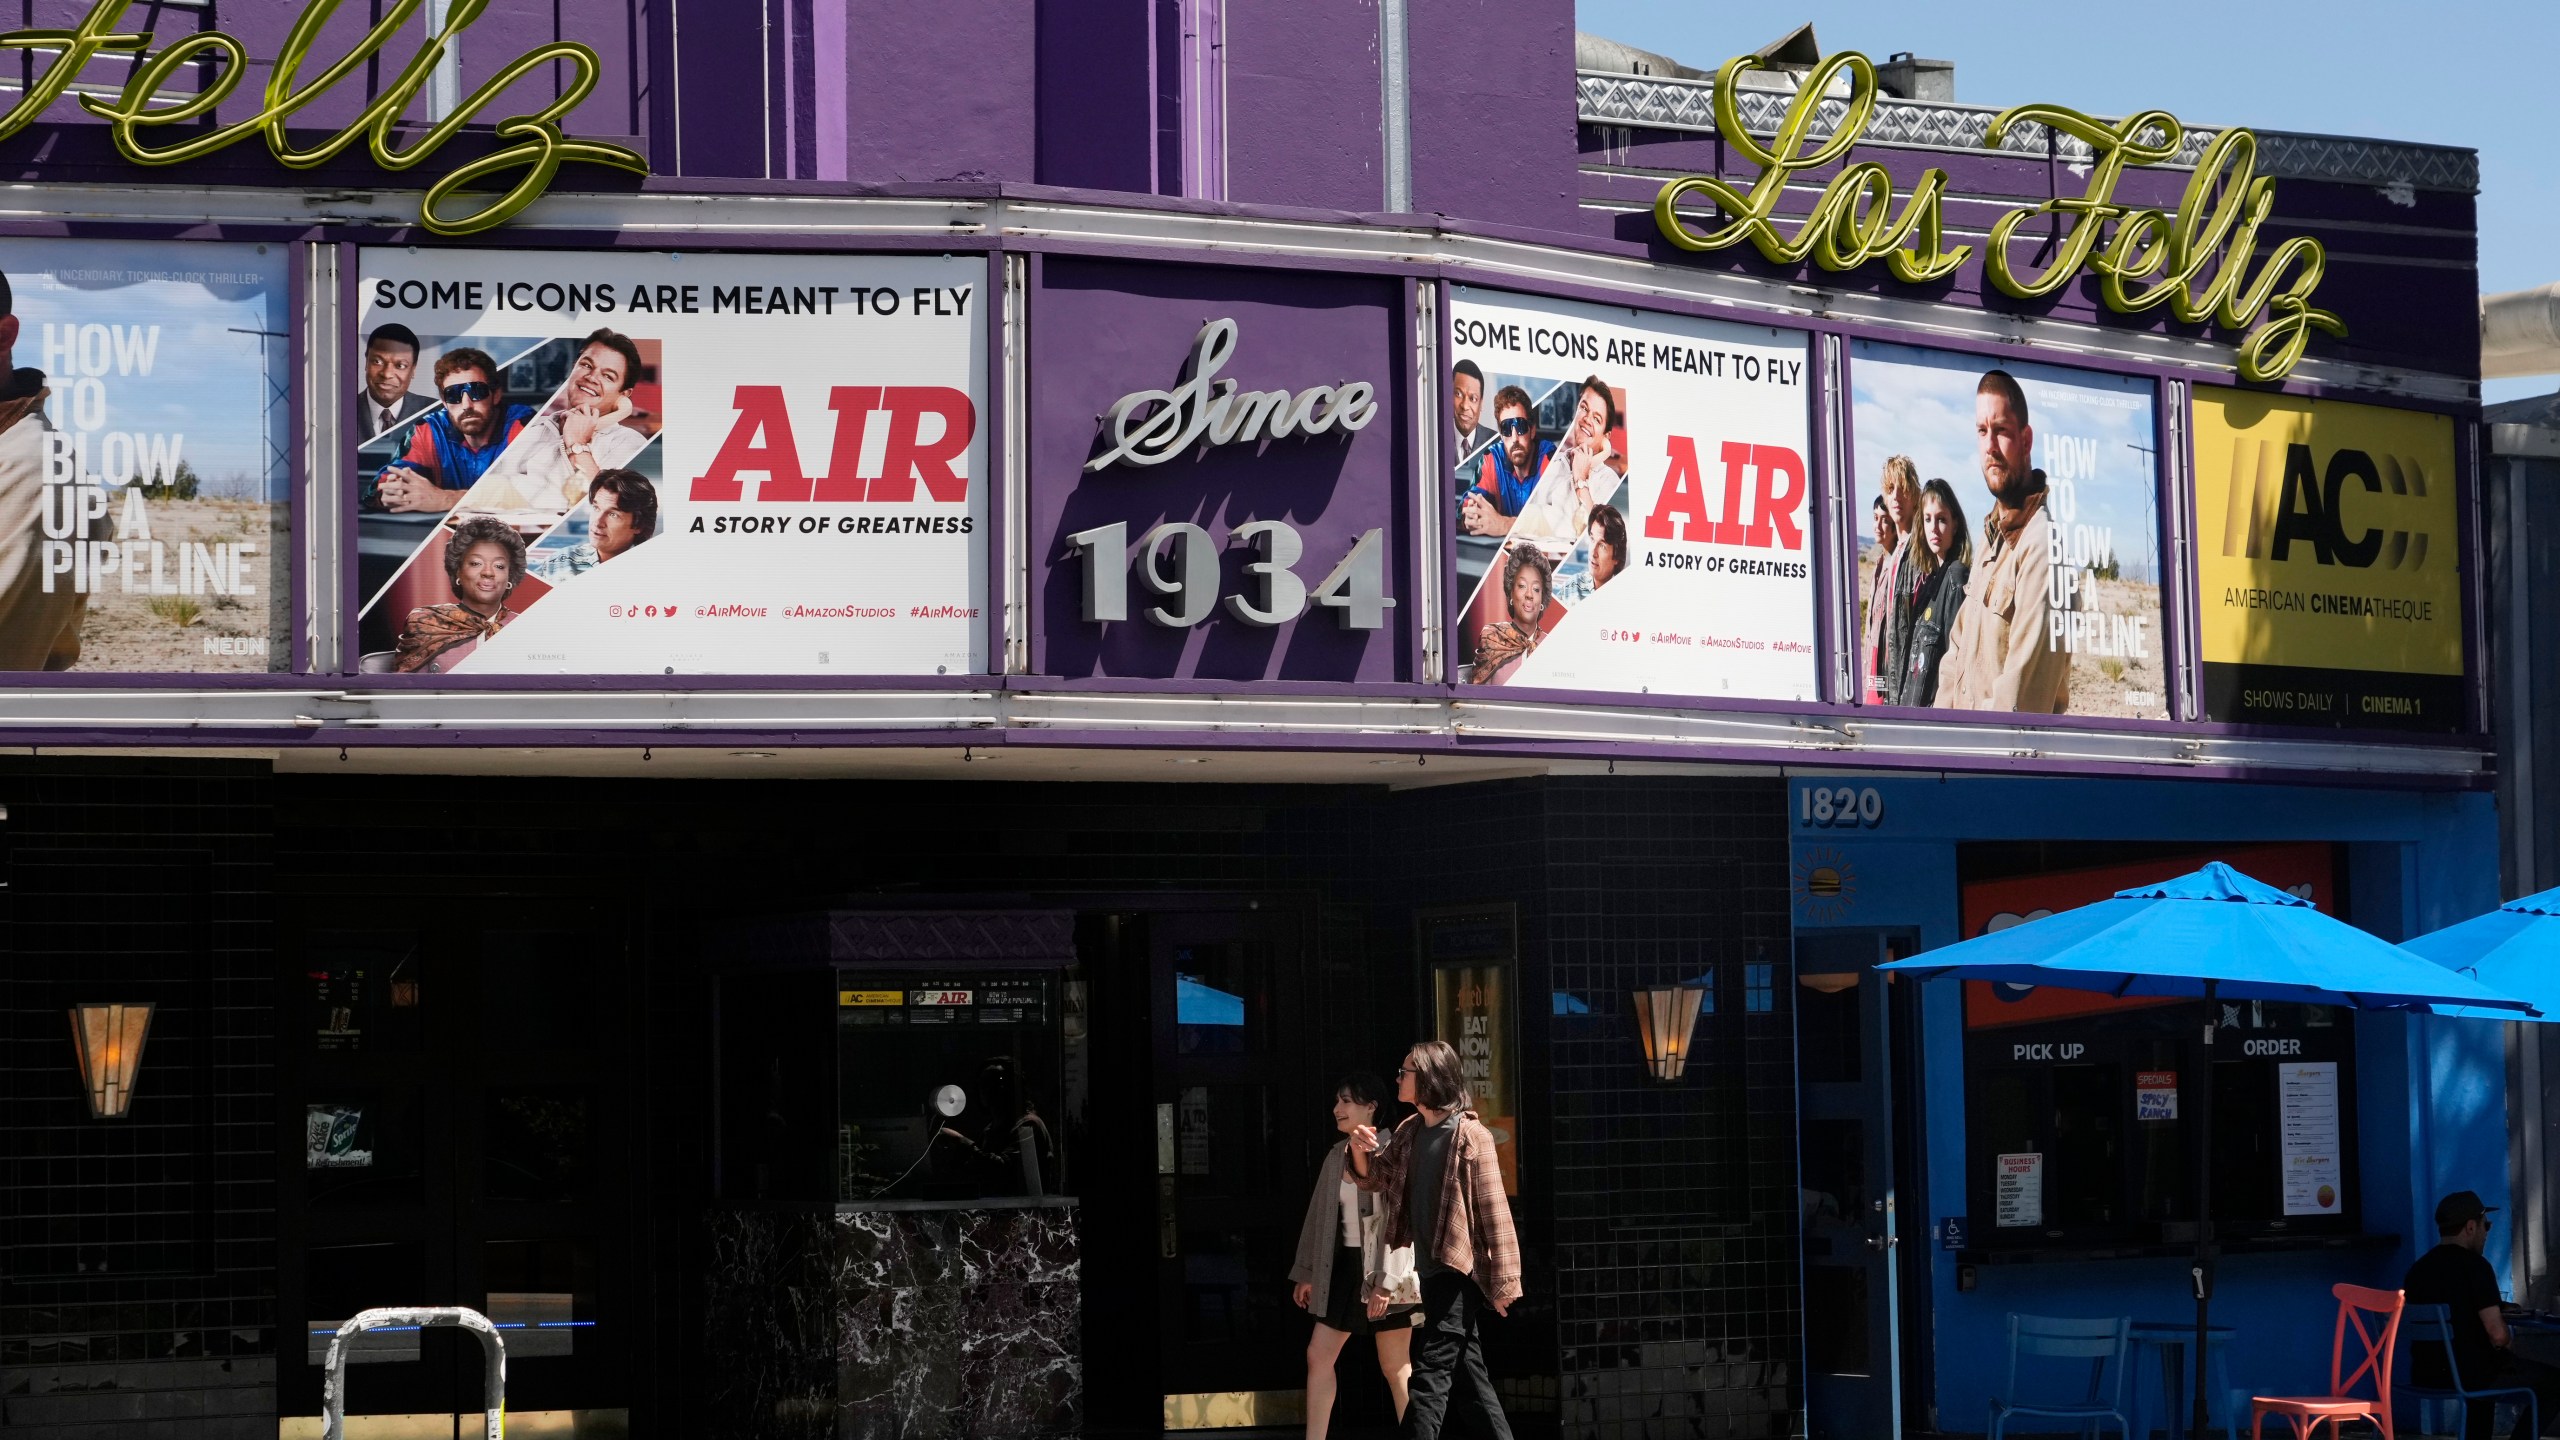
1441,1188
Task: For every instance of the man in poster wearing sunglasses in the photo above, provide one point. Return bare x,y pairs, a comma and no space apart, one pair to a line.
1509,470
455,445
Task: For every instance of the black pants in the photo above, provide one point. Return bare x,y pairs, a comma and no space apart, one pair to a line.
2514,1371
1448,1363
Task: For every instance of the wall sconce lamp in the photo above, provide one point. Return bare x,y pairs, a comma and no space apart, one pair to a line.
109,1040
1666,1018
1830,982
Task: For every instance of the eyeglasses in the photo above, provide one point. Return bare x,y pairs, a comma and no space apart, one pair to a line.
1404,1070
468,390
1519,425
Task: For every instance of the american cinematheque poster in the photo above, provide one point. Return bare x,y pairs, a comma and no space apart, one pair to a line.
670,464
2008,521
1632,500
143,457
2329,545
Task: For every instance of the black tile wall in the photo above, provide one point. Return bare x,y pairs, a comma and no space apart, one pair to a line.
1658,1220
137,1256
1675,1244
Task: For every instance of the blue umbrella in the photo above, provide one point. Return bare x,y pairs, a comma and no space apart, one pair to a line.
2215,935
2515,948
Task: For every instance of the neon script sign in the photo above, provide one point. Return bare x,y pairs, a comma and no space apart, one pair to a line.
1149,427
2195,260
530,146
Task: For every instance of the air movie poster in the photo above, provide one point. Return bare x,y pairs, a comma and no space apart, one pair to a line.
671,464
143,473
2329,563
1632,500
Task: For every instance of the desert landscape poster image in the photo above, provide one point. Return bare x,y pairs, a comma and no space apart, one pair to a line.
2008,519
143,442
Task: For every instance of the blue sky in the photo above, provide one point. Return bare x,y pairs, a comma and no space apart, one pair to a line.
2451,72
209,383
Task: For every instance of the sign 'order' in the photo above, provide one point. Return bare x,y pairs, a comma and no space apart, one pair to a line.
2195,260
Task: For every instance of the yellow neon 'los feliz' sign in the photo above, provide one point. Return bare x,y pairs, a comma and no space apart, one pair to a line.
2150,258
529,144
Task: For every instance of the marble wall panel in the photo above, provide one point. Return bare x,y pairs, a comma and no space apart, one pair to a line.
896,1324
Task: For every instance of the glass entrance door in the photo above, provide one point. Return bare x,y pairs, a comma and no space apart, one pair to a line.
456,1135
1240,1122
1851,1230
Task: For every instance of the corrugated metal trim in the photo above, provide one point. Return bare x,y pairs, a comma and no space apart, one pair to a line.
1654,102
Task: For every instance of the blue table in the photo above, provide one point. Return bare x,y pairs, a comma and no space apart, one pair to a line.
2168,1340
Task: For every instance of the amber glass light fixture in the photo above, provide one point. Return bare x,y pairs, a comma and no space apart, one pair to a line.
109,1040
1666,1018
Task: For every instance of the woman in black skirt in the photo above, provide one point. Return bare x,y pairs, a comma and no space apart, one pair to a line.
1345,1276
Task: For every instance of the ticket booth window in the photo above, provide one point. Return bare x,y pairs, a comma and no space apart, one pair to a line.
2081,1130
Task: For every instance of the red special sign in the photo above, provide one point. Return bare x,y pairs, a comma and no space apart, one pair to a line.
2306,869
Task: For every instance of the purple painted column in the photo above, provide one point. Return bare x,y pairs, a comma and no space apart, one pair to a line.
718,63
1303,104
1494,132
1096,101
941,90
832,106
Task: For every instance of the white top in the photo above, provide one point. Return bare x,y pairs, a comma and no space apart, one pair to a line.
536,473
1350,1208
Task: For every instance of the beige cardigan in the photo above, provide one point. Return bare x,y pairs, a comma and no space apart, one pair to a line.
1382,1269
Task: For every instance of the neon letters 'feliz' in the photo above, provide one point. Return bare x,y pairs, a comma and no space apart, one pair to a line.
2143,259
531,147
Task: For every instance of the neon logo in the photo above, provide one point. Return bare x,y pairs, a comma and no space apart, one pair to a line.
531,147
2194,259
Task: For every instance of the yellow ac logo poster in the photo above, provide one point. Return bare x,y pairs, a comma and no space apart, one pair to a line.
2329,563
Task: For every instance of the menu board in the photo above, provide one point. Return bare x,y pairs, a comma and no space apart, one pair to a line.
943,1000
2307,1140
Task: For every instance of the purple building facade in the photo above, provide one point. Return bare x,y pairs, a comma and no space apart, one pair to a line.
800,768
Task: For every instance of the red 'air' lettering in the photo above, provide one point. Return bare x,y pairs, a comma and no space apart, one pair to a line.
1682,495
910,457
1780,495
853,405
1729,530
761,441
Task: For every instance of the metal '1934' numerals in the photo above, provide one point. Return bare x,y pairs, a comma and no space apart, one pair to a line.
1177,564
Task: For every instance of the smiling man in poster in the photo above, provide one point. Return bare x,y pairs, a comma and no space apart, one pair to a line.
1662,543
812,502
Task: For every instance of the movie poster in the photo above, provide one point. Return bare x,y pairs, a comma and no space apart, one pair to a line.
144,483
2329,564
1632,499
658,464
2008,523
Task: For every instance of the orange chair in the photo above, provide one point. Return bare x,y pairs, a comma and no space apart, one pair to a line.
2378,1336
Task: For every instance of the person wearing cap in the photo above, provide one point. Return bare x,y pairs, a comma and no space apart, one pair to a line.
2457,1276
